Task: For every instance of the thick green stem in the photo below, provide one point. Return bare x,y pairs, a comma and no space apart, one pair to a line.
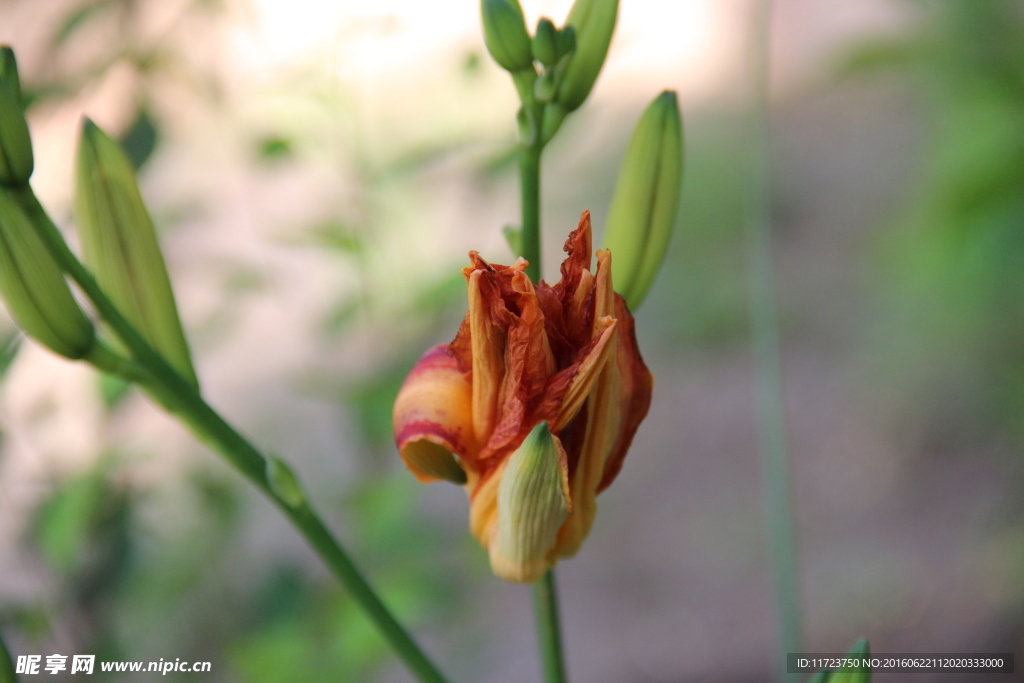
549,631
151,370
529,179
765,329
7,674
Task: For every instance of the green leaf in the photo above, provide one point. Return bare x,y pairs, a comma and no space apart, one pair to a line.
64,520
141,139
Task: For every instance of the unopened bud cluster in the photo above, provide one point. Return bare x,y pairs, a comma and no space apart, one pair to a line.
31,283
555,69
116,232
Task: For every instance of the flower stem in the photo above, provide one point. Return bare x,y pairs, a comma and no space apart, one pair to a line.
153,373
767,356
549,632
529,176
7,674
545,597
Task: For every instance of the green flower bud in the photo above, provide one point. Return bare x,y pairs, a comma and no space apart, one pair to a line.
16,160
643,209
545,42
533,503
553,115
119,245
566,41
9,70
505,34
593,22
33,286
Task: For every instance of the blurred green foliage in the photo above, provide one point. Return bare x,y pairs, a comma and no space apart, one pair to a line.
955,259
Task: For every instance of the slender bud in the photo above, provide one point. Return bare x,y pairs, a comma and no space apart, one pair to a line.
593,22
533,503
643,208
119,245
505,34
566,41
16,160
34,288
545,42
552,120
9,70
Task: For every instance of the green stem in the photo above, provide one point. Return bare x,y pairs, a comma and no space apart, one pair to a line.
529,177
545,598
765,329
171,390
7,674
549,632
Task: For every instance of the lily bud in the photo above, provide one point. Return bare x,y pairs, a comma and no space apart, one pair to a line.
533,502
34,288
552,120
593,22
566,41
120,246
9,70
505,34
16,161
643,209
545,42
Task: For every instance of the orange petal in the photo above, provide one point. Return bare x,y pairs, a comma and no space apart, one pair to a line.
579,248
483,506
585,372
636,383
434,410
487,340
604,294
615,407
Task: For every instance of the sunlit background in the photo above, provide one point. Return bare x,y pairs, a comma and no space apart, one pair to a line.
318,171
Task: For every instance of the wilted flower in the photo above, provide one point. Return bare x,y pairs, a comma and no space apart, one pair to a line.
532,407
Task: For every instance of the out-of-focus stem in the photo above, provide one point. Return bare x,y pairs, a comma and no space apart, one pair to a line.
7,674
153,373
549,630
765,329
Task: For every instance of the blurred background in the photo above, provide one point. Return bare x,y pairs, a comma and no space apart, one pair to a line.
318,171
